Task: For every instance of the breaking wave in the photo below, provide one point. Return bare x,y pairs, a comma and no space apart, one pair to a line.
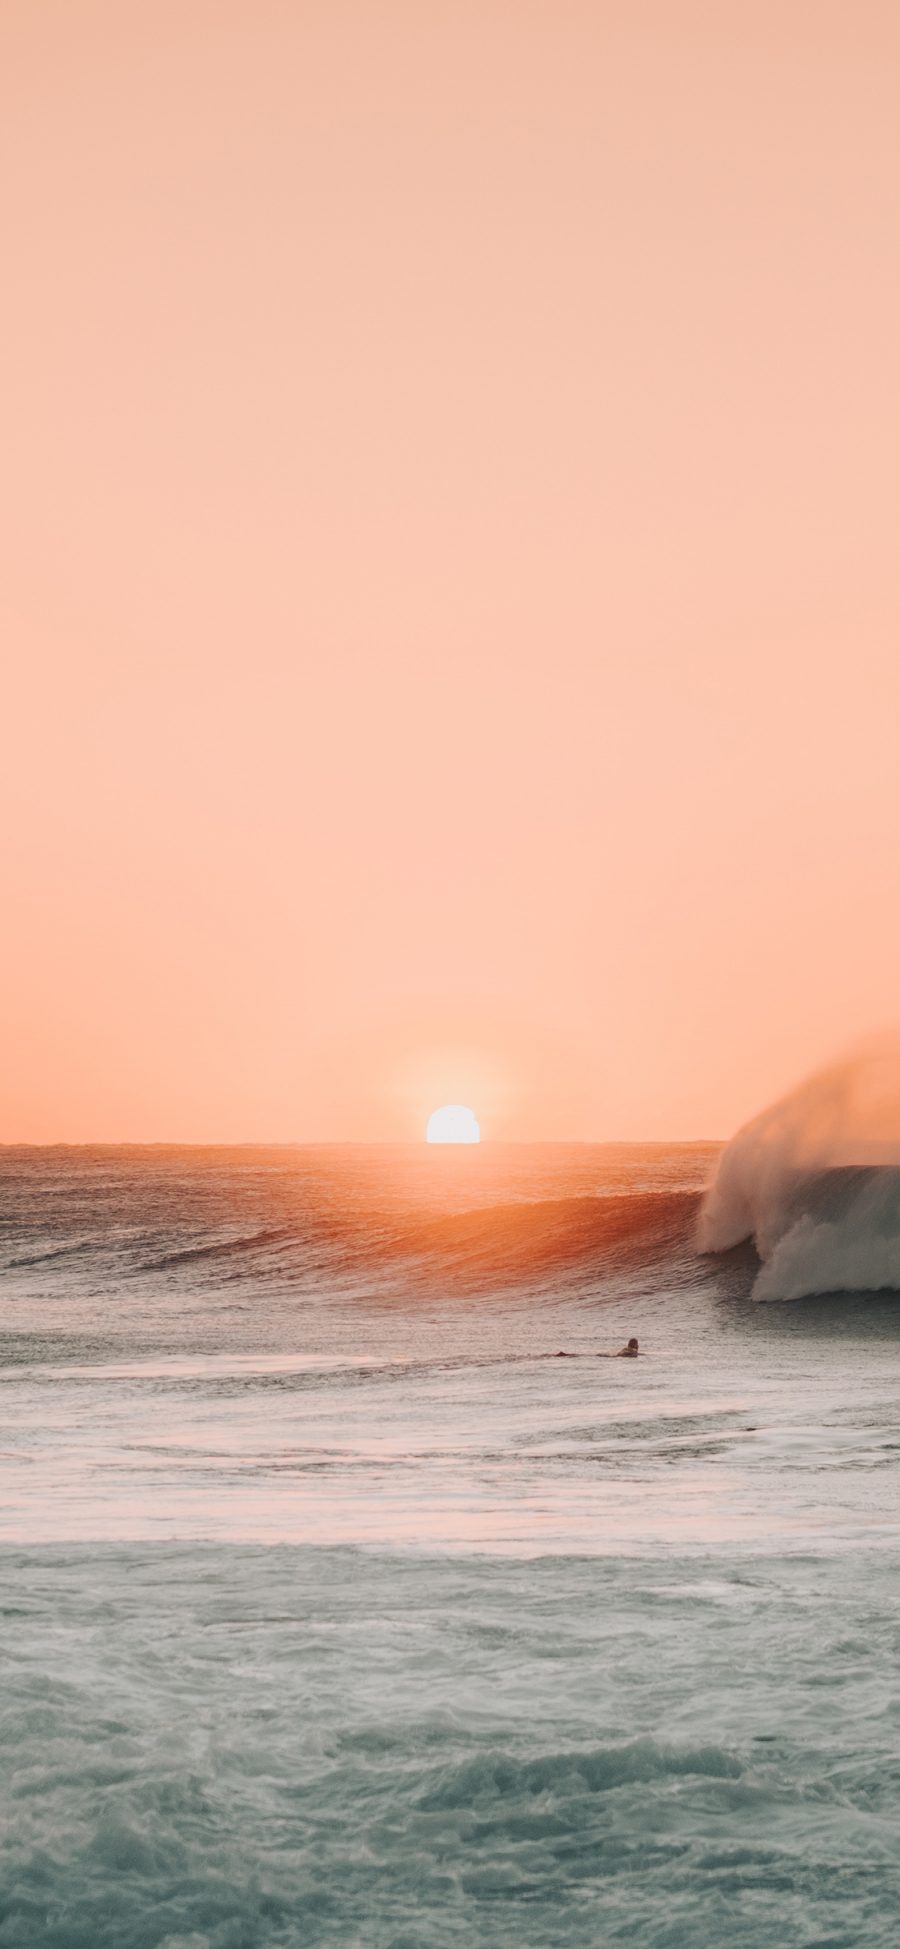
815,1182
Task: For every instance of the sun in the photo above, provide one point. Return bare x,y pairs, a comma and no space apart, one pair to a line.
453,1124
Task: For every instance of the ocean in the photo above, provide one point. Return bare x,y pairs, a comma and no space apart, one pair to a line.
336,1609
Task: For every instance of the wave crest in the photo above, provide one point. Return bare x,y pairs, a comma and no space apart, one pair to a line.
515,1243
499,1776
815,1182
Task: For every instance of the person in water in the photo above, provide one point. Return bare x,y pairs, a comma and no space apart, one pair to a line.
629,1352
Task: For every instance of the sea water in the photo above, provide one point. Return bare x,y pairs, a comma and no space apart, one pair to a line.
337,1610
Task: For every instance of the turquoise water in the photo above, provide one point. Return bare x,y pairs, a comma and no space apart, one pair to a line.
239,1746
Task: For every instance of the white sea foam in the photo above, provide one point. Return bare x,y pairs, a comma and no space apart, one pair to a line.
303,1749
815,1182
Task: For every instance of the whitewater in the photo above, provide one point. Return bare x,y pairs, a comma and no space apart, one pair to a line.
338,1610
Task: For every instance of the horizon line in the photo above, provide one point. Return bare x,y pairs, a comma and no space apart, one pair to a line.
352,1143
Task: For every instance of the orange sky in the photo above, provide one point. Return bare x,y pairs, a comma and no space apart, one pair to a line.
450,583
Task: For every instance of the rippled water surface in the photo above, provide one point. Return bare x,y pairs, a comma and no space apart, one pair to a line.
336,1609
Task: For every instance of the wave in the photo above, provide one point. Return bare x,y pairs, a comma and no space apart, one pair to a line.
47,1257
217,1249
814,1181
357,1237
526,1242
494,1776
522,1243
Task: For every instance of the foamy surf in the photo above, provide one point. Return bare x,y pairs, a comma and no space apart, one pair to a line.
300,1749
814,1181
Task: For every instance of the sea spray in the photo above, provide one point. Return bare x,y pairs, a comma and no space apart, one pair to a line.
815,1182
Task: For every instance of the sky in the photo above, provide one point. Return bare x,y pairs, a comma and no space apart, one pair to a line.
449,585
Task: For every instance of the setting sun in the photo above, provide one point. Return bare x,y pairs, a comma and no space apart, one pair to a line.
453,1124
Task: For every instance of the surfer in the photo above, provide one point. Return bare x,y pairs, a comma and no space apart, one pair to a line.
629,1352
